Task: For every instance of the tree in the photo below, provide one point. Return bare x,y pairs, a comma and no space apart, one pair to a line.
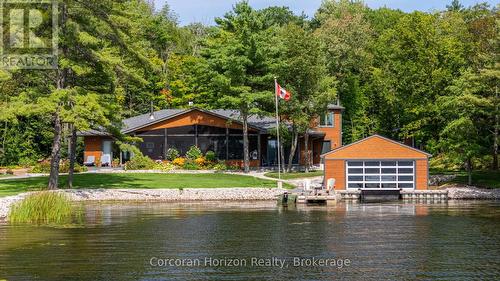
239,66
463,110
346,34
301,68
98,51
455,6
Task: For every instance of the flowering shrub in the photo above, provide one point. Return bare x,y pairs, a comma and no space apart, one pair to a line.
164,166
200,161
43,167
172,154
220,166
193,153
179,161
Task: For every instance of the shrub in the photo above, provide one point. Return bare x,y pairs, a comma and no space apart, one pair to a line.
172,154
179,162
43,167
193,153
164,167
200,161
44,208
210,156
190,166
140,162
220,166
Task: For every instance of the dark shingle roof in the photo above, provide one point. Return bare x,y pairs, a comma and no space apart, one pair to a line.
135,123
144,120
259,122
335,106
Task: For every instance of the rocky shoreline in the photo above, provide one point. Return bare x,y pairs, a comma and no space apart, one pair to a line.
157,195
472,193
213,194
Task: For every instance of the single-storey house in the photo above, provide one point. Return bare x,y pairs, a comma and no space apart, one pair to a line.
377,162
215,130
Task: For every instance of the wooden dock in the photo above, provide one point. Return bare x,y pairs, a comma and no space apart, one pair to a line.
316,198
322,197
406,195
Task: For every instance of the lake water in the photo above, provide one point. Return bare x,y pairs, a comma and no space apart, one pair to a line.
447,241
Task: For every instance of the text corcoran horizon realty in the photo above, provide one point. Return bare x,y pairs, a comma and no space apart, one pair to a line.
275,262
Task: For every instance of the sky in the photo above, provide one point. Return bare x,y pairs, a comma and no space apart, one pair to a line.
205,11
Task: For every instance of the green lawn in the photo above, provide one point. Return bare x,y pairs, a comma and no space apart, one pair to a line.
294,175
153,181
489,179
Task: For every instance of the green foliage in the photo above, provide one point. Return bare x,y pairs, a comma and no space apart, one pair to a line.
164,167
172,153
210,156
194,153
220,166
44,208
191,165
140,162
43,167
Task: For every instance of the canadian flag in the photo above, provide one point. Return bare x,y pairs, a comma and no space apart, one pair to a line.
282,93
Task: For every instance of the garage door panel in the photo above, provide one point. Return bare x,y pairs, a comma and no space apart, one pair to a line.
380,174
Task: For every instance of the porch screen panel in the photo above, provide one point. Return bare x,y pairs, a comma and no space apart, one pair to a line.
380,174
152,146
216,144
184,130
235,147
181,143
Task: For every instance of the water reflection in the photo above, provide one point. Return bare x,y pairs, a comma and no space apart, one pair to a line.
450,240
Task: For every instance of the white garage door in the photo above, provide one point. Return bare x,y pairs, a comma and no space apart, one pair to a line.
380,174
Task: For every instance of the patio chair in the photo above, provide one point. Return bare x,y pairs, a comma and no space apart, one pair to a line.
105,160
90,161
330,185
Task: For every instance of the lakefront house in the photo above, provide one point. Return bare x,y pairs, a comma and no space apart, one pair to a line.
219,131
374,162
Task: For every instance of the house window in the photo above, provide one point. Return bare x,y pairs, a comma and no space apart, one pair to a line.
327,120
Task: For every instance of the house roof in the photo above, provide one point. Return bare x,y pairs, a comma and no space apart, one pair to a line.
144,120
261,123
92,133
335,106
368,139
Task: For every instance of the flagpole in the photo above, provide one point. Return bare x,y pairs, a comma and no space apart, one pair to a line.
277,127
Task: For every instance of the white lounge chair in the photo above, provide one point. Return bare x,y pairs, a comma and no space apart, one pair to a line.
106,160
90,161
330,184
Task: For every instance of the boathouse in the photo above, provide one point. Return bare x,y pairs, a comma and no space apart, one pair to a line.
377,162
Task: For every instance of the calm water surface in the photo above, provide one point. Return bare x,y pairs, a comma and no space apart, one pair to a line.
448,241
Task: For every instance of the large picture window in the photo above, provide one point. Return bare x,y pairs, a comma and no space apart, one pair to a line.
380,174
